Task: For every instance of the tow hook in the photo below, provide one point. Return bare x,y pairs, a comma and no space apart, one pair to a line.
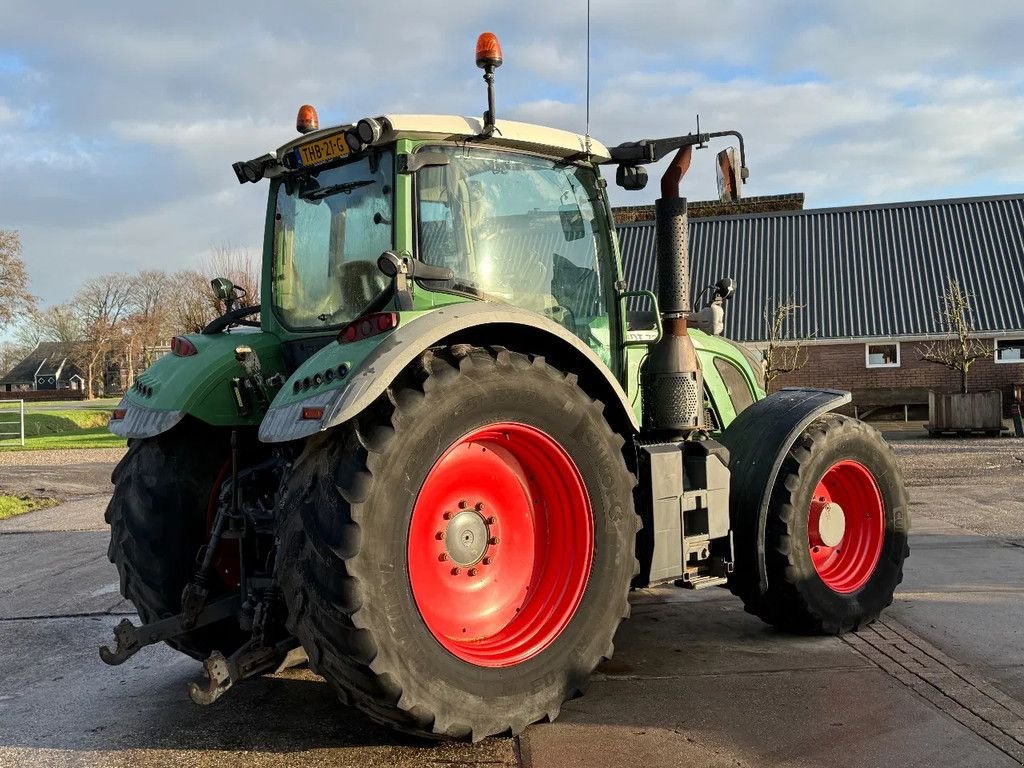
218,677
251,660
130,639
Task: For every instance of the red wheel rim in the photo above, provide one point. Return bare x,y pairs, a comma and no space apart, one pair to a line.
501,543
846,526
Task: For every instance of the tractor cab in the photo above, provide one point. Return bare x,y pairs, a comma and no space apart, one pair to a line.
517,217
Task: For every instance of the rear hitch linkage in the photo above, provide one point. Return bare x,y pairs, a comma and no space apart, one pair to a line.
130,639
256,605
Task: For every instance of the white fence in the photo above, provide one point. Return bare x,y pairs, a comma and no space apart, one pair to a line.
12,420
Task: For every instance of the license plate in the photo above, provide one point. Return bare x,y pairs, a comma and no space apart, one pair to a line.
322,151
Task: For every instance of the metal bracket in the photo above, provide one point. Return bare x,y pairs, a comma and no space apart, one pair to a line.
130,639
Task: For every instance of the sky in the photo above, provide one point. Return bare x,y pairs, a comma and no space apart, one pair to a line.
119,121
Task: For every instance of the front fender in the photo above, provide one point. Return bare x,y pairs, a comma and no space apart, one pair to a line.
758,441
371,372
197,385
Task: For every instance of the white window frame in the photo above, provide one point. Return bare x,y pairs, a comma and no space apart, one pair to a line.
867,354
995,352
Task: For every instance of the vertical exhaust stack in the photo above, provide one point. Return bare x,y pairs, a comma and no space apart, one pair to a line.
672,380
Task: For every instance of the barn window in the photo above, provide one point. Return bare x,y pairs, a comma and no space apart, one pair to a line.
1010,350
884,355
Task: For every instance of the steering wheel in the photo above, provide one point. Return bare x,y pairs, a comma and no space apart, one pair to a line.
234,317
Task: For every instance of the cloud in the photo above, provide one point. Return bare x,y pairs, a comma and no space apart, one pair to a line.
118,125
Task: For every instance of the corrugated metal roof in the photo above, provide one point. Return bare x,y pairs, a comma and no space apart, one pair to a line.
865,271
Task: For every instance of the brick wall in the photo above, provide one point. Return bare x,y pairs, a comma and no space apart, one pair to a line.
841,366
698,209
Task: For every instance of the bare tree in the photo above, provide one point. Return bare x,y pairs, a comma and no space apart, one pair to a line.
239,266
28,332
193,302
959,351
101,308
781,354
150,322
59,323
11,353
15,298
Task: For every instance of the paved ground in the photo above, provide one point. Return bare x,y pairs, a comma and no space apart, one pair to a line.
695,681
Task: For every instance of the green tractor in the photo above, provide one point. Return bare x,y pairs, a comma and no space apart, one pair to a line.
448,448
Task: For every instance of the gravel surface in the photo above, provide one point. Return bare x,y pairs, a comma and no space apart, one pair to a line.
954,461
74,456
61,475
974,484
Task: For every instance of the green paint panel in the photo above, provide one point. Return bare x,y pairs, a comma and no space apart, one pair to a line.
200,384
330,358
708,348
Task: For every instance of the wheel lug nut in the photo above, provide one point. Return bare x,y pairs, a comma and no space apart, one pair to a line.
492,520
486,561
463,504
471,571
456,571
442,557
494,540
479,506
447,515
439,535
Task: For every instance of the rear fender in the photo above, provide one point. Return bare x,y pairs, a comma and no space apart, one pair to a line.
198,385
758,441
370,372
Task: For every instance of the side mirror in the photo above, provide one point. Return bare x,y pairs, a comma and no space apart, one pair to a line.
572,223
223,289
419,160
725,288
631,177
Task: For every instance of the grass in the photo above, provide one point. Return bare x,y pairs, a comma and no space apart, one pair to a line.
19,505
65,429
99,404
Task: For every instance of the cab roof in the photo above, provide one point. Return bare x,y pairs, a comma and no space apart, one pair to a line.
508,133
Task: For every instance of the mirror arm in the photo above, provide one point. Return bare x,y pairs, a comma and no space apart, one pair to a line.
652,150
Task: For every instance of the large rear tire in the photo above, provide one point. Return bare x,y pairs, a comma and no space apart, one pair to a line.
457,561
836,533
158,517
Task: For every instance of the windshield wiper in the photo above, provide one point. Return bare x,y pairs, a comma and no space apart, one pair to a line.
347,187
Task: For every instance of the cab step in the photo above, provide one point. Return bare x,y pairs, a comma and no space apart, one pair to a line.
692,581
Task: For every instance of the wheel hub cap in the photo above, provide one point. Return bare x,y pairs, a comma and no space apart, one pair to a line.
831,524
466,538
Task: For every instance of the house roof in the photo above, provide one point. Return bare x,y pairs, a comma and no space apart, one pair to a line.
859,272
47,359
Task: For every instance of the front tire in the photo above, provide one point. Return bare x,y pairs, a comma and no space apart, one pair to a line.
836,533
458,560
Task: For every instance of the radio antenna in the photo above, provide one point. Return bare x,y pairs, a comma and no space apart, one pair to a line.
588,78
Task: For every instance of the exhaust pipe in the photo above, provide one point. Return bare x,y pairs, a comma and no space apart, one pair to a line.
672,381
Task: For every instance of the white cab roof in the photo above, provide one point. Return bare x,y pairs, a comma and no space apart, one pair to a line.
508,133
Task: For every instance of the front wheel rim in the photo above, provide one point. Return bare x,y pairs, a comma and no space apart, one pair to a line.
846,526
501,544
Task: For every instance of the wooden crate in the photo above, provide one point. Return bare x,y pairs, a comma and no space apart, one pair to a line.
973,412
